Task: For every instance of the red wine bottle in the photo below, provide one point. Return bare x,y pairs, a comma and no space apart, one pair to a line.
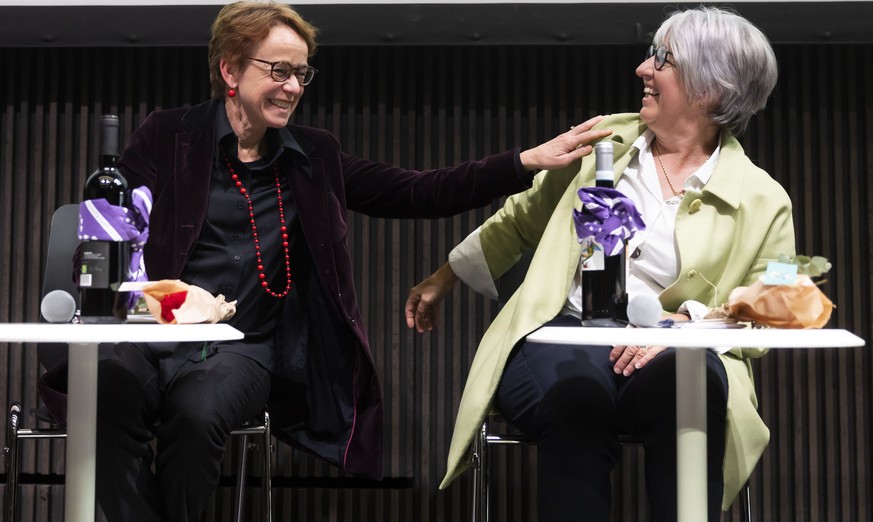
604,298
105,263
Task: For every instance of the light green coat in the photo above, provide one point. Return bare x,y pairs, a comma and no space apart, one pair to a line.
725,234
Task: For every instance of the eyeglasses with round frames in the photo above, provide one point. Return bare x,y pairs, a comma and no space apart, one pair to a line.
660,55
281,71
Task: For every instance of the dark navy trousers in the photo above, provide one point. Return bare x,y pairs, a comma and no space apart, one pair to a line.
572,402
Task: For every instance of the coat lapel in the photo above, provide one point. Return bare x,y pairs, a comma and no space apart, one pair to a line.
708,216
193,161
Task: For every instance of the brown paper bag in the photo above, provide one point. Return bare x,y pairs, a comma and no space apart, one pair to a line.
798,305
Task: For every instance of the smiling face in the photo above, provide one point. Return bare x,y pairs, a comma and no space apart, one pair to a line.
260,101
665,101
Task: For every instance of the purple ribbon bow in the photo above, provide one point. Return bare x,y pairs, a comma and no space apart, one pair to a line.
141,200
100,221
607,215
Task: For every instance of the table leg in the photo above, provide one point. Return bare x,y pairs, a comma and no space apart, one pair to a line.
691,434
81,433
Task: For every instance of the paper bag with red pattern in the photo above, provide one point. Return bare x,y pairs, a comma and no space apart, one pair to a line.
176,302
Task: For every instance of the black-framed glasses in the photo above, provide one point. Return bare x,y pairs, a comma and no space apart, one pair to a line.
660,55
281,71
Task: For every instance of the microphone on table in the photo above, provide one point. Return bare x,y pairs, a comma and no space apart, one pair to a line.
644,311
58,306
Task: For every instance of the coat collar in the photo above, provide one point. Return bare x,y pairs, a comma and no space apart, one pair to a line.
722,184
199,124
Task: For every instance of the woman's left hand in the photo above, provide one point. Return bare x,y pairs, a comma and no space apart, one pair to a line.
565,148
627,359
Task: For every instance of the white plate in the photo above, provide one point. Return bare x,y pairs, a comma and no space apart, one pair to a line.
141,319
711,323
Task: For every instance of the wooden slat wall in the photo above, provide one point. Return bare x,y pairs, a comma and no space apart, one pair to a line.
434,106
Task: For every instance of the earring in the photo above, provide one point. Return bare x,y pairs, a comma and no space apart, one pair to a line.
231,93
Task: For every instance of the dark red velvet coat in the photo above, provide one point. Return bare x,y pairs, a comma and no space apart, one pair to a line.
327,398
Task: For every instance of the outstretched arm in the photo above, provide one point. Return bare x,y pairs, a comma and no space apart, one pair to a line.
422,305
388,191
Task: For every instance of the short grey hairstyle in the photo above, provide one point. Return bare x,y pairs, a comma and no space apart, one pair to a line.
722,59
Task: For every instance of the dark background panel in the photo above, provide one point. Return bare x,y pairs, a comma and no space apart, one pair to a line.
437,104
470,23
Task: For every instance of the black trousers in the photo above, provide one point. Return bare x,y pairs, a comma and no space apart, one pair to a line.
189,405
571,401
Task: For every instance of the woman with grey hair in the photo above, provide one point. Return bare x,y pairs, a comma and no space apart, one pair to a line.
713,222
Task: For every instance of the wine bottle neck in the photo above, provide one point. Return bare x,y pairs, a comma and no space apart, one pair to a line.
109,135
108,160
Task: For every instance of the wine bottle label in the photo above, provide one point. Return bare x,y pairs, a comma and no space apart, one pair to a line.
592,255
95,265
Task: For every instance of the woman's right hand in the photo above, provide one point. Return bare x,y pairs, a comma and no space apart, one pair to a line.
627,359
423,303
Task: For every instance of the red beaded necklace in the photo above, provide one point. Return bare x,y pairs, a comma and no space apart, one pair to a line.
261,275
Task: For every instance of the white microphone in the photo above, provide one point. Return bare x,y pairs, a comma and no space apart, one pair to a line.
644,310
58,306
